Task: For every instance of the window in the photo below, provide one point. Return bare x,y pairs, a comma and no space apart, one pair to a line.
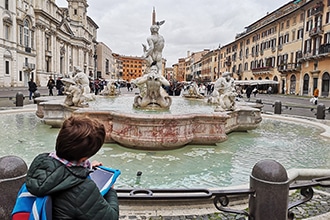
20,35
75,12
280,40
47,43
309,25
286,38
308,46
300,34
26,33
293,35
327,21
6,30
7,67
6,4
287,23
327,38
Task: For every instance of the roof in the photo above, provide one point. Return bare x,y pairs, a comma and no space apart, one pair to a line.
255,82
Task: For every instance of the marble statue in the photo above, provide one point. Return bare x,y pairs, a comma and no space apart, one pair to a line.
224,93
152,94
156,44
76,89
73,93
192,91
110,89
81,79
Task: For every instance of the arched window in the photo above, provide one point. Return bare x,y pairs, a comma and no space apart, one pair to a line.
325,84
306,84
26,33
293,84
246,66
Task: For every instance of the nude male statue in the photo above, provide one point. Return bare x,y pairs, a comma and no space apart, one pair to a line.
156,45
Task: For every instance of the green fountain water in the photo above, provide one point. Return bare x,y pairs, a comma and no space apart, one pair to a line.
194,166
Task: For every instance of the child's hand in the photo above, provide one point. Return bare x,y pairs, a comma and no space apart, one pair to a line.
96,163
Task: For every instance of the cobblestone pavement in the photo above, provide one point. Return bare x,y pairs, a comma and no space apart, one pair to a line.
318,208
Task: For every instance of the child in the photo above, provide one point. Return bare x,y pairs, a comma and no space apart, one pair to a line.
64,174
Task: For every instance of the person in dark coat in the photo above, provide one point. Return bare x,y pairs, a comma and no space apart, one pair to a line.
59,86
248,92
51,85
32,88
64,174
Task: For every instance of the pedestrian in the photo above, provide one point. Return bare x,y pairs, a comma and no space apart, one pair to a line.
59,86
50,85
64,174
316,95
248,92
128,86
269,90
255,91
32,88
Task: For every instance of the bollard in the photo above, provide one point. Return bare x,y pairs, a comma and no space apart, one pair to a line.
12,175
36,94
320,113
270,182
278,107
19,99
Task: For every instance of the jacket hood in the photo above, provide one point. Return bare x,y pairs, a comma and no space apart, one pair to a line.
47,175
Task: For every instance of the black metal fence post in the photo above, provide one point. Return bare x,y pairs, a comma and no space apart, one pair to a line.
320,113
270,182
278,107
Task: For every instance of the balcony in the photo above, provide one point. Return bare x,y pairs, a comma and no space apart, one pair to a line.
262,70
289,68
318,9
324,49
316,54
317,31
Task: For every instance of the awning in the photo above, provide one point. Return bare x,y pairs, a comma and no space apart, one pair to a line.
256,82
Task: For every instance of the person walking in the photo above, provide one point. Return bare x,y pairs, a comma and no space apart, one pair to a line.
50,85
59,86
248,92
32,88
316,95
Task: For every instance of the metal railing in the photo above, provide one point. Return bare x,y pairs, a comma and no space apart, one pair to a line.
221,198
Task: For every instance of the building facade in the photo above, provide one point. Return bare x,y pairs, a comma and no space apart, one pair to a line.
290,45
40,39
105,62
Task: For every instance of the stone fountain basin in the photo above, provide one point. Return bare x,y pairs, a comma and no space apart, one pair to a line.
157,131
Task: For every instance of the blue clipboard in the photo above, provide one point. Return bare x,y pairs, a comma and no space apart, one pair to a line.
104,177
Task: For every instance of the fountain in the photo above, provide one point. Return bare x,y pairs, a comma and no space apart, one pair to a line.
159,129
225,164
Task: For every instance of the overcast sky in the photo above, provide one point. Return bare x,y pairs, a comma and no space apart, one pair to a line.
190,25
